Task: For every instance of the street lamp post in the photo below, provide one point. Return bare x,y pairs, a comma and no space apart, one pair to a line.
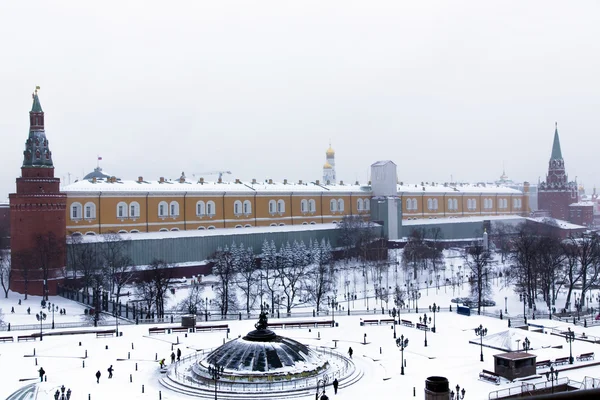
402,343
323,383
505,304
425,328
215,372
433,308
206,309
459,395
53,306
526,344
41,316
348,295
552,376
570,337
481,332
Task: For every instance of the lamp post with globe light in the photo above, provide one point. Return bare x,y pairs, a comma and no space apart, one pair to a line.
41,316
570,337
459,394
215,371
552,376
481,332
402,343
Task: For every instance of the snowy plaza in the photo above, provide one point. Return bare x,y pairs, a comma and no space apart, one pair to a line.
453,351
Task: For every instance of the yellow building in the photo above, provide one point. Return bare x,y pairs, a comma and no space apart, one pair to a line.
101,205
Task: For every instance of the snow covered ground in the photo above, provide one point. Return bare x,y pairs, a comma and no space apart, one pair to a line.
449,352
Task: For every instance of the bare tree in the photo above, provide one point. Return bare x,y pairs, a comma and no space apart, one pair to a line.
320,273
155,283
269,270
291,272
583,262
193,303
248,274
117,263
550,264
5,271
48,248
146,292
500,235
224,269
525,247
82,261
477,259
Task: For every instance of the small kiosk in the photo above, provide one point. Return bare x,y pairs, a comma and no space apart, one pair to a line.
514,364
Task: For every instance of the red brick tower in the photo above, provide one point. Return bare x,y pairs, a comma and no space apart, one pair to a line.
557,193
37,216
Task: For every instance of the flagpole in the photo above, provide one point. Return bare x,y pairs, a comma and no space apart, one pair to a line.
97,161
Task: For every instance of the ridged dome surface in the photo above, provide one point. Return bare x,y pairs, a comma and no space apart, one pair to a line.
244,355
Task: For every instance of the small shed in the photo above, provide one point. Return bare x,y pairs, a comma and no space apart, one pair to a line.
514,364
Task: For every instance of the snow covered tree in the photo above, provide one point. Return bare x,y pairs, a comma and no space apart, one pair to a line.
248,275
320,272
291,272
477,260
550,267
525,246
224,269
5,271
269,271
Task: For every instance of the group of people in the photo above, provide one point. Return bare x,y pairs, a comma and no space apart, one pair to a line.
99,374
162,363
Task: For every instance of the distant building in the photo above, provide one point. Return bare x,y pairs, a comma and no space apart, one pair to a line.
329,167
38,212
557,196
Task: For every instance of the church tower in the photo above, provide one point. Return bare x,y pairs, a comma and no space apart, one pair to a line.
557,193
329,167
37,216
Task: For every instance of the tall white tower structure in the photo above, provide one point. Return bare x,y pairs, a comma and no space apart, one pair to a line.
329,167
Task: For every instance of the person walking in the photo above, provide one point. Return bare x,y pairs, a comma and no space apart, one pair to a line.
42,372
110,371
178,354
172,357
335,385
98,375
350,352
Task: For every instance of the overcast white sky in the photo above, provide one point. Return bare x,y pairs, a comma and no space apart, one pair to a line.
259,88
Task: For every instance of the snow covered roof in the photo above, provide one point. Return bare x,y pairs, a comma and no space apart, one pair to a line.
478,218
187,185
559,223
456,188
213,232
582,204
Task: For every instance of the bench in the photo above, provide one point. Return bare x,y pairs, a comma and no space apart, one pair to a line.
585,357
180,329
543,364
276,326
369,322
109,333
408,323
156,330
422,327
25,338
5,339
489,376
300,324
387,321
324,324
221,327
561,361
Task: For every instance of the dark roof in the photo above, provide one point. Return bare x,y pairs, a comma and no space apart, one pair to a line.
96,173
556,153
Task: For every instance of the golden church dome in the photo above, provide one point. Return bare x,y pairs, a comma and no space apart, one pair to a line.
327,166
330,152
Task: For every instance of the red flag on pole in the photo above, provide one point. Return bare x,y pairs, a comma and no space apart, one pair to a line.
99,158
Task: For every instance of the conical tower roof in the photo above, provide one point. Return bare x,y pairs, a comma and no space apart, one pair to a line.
556,153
